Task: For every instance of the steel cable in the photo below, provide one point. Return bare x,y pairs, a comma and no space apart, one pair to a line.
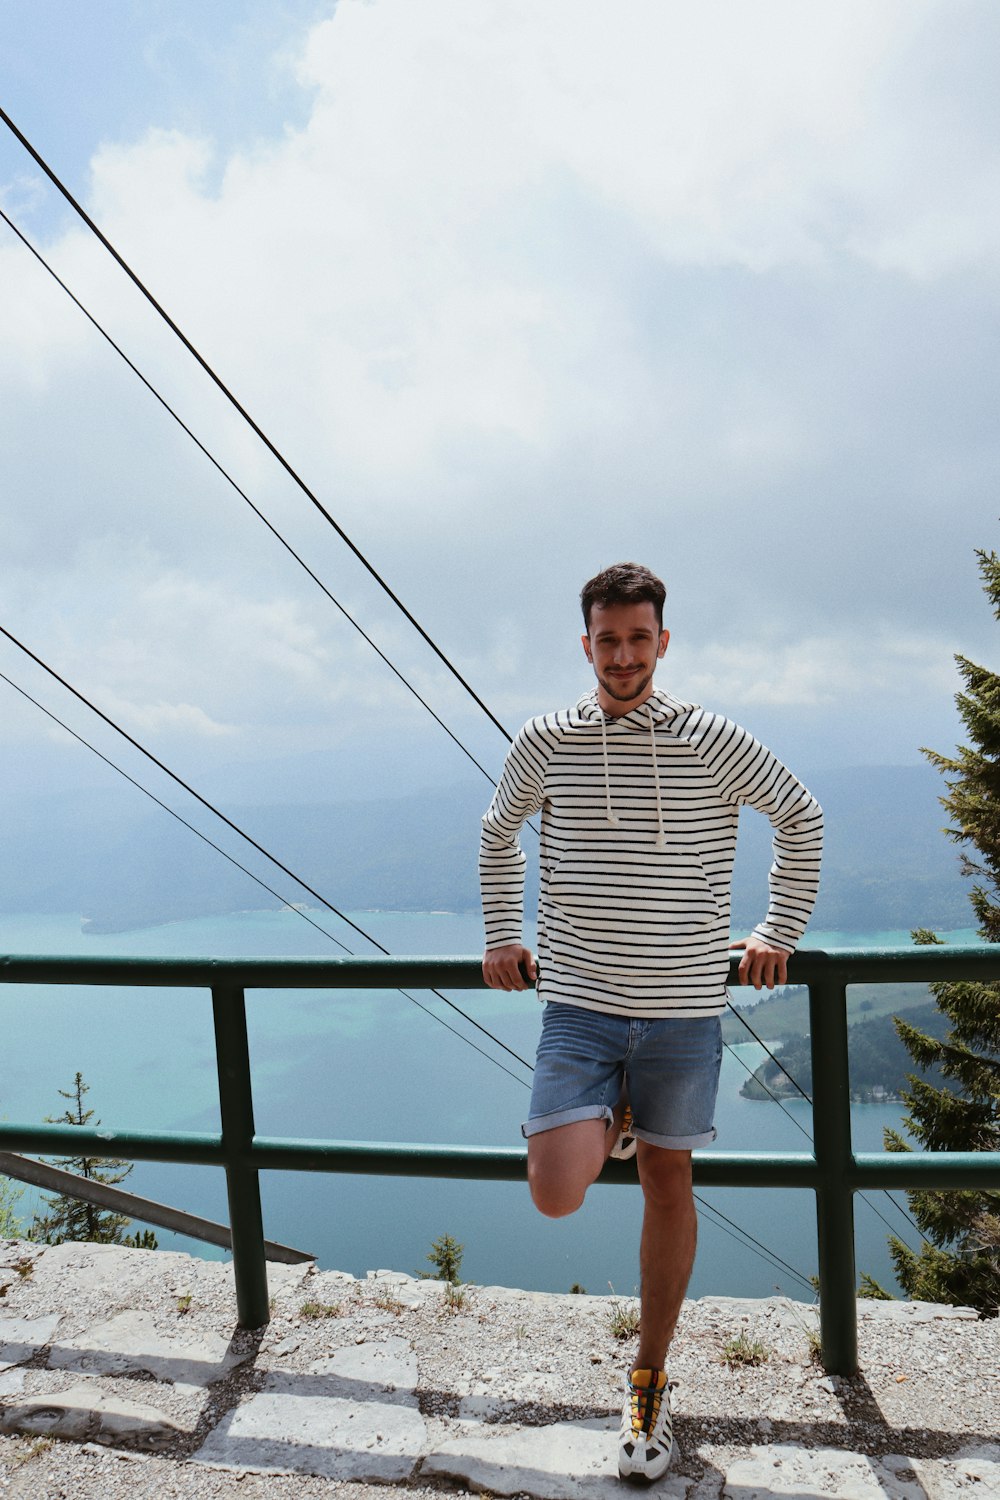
271,447
239,490
254,843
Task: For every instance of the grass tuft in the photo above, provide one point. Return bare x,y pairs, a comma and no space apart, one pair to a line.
316,1310
743,1350
623,1318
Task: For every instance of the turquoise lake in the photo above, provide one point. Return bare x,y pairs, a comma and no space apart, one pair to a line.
372,1066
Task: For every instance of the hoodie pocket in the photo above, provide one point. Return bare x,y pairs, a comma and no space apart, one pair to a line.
629,915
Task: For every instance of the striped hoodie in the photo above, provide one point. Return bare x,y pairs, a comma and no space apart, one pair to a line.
638,835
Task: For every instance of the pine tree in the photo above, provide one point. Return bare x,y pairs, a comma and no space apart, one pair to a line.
10,1224
445,1255
961,1261
72,1219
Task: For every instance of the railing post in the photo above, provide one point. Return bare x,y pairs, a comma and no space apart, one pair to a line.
232,1054
838,1312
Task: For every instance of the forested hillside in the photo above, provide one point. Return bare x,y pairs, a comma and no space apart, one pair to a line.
879,1062
121,863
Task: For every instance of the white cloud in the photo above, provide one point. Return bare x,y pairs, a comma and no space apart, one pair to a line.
532,287
817,670
158,719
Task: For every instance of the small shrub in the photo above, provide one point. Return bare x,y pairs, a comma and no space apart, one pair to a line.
316,1310
576,1290
387,1301
184,1303
454,1298
445,1255
25,1267
623,1318
743,1350
33,1450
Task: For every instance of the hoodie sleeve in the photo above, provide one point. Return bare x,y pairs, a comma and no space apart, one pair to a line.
501,860
746,772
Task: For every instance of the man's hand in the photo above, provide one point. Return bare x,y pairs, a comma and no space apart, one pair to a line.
761,964
502,968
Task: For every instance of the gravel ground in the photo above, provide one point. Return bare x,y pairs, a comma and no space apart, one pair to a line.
745,1371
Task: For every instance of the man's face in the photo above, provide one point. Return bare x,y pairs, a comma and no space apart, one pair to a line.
623,645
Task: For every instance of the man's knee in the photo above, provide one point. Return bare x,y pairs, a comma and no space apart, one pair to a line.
665,1176
562,1163
554,1198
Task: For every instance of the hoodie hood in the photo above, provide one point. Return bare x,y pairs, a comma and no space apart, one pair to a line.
660,706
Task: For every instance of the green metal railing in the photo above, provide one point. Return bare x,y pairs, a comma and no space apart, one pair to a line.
834,1170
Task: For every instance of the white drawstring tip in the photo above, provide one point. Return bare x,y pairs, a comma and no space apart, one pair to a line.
613,818
661,840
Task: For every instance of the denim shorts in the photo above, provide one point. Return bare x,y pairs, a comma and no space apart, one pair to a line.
670,1066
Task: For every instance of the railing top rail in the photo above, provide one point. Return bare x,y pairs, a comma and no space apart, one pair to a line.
808,966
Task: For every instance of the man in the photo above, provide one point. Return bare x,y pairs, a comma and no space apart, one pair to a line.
639,795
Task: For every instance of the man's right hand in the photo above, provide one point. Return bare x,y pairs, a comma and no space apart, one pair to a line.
502,967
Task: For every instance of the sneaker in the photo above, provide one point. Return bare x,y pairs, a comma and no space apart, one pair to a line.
625,1146
646,1438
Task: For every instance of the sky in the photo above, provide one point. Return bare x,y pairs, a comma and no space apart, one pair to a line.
519,289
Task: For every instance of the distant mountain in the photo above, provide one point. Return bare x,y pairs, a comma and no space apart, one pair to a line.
109,858
887,862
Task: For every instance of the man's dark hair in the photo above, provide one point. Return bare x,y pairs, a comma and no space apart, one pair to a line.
623,583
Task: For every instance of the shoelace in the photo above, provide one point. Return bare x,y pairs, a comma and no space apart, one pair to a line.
646,1403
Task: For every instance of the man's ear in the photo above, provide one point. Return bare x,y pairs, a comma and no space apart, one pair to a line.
664,642
586,648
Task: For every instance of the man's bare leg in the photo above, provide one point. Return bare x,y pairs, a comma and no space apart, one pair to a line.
666,1253
562,1163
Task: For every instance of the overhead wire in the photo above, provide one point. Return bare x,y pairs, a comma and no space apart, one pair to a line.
724,1223
240,491
300,483
254,843
336,602
798,1124
288,547
777,1061
752,1243
254,426
727,1225
290,905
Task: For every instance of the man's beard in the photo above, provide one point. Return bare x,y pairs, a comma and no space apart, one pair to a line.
620,693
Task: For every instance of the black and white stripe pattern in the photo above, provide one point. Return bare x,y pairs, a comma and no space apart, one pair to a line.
625,926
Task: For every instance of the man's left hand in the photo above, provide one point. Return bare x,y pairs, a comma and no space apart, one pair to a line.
761,964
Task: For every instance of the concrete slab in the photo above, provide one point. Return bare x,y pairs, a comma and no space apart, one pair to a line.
972,1471
914,1312
131,1343
21,1338
353,1416
564,1461
384,1371
88,1414
768,1473
11,1381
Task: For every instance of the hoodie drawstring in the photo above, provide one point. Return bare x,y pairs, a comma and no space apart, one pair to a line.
607,774
661,835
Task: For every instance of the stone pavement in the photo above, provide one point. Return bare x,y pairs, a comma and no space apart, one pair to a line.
391,1380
